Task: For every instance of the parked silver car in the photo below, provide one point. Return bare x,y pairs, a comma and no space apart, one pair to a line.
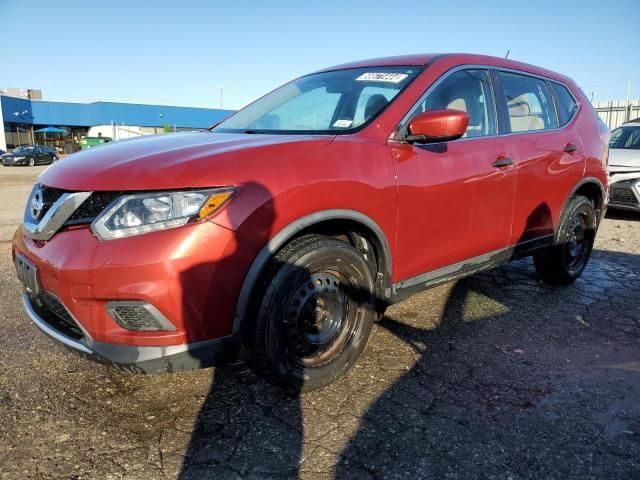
624,166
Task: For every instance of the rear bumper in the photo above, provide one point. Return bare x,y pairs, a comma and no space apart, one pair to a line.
138,359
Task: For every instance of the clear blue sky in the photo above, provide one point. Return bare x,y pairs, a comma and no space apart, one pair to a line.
178,52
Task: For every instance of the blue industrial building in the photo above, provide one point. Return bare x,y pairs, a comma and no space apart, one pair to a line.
21,117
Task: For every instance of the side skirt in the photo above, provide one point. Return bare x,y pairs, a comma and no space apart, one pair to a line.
404,289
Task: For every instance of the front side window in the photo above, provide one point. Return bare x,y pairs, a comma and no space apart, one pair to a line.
528,102
23,150
340,101
625,137
469,91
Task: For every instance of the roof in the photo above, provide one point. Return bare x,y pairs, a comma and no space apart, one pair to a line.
38,112
401,60
454,58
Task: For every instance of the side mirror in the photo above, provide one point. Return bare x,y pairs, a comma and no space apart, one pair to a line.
437,126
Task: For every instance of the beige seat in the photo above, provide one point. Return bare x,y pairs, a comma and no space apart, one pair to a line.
472,130
520,116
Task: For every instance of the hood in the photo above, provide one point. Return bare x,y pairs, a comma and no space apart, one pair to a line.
624,160
174,160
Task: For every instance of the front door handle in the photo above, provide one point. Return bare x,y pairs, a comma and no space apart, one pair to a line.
502,162
570,148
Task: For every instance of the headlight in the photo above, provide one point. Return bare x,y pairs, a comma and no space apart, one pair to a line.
134,214
19,158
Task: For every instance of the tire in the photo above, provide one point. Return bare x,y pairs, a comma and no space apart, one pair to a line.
32,162
566,259
313,312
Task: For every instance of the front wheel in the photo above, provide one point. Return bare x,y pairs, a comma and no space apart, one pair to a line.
315,309
566,259
32,162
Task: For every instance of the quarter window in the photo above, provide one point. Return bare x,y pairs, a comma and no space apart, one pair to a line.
469,91
528,102
565,104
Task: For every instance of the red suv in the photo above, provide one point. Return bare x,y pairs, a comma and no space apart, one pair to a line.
284,231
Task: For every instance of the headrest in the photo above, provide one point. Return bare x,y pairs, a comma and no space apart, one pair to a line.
375,103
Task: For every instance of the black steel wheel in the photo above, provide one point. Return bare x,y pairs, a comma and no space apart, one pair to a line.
565,261
314,312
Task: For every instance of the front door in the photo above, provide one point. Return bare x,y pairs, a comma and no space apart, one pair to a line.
455,199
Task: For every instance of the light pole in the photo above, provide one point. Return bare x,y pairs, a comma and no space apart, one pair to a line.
221,89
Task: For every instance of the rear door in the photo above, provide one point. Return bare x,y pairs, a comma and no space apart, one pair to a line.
455,202
550,159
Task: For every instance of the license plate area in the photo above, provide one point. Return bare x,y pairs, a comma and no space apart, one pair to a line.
27,274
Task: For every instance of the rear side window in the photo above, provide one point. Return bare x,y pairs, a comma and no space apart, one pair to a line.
469,91
565,104
528,102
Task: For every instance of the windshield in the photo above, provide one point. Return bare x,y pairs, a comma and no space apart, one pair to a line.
23,150
341,101
625,137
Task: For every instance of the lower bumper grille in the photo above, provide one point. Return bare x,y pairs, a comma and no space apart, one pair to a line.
58,316
623,195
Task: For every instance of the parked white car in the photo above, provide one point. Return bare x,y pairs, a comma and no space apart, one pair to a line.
624,166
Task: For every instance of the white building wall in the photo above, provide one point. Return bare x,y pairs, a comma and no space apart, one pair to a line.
3,138
118,132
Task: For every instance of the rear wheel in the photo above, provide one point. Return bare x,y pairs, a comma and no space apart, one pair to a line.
564,262
314,312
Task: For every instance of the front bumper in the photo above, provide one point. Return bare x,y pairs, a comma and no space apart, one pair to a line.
10,162
191,274
135,359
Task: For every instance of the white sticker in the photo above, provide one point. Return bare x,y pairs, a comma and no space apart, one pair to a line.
343,123
382,77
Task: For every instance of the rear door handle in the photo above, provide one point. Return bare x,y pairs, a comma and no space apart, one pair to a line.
502,162
570,148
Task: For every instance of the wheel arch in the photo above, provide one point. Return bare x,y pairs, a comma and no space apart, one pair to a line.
318,222
592,188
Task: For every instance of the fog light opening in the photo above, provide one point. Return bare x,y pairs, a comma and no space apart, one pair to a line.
138,316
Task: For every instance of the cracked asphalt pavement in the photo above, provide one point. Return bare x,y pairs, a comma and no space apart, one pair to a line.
494,376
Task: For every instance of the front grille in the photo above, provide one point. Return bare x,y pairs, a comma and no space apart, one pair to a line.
92,207
50,196
87,212
623,196
58,316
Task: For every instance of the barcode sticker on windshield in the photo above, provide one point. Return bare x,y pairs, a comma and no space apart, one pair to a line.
382,77
342,123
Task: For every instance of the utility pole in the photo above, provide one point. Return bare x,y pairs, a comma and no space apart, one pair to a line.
221,89
628,101
235,98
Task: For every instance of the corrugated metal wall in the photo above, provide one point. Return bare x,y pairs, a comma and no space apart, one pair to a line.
615,113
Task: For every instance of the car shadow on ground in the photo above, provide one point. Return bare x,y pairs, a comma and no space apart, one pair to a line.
614,214
506,381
